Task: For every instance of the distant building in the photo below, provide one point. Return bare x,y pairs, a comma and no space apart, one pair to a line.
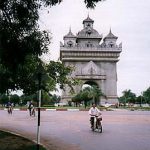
94,60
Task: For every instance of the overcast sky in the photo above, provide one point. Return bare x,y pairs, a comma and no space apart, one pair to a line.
128,19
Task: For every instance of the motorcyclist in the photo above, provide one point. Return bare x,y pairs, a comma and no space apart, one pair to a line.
93,111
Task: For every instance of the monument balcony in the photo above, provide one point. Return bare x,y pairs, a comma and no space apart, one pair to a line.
94,48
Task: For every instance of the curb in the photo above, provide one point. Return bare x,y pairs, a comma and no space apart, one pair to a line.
44,109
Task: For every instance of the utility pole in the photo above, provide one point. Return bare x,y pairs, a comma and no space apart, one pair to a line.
39,105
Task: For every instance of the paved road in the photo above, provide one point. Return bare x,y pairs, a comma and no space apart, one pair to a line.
122,130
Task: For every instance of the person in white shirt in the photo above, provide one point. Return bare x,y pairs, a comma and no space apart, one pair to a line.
93,111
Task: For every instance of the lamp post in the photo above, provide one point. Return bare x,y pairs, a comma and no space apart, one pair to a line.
39,76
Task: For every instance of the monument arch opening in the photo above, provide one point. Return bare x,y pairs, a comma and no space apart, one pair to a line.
95,91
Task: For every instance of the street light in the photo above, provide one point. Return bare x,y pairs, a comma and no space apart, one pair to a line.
39,77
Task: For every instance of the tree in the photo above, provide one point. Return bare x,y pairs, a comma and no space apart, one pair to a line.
140,100
59,73
88,94
54,99
122,100
91,3
20,35
128,96
82,96
146,95
27,80
26,76
96,93
15,99
25,99
6,80
4,99
77,98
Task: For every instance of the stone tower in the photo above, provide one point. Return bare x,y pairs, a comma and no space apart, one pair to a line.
94,60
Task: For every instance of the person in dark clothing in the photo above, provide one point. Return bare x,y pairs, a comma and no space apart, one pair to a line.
9,107
31,109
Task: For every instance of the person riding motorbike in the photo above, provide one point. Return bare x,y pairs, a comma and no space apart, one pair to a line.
93,112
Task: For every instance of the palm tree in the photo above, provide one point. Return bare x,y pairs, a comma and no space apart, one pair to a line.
96,93
129,96
146,95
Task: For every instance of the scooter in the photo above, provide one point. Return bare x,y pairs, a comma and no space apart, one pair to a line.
96,124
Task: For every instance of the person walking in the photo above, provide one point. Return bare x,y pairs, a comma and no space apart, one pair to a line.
31,109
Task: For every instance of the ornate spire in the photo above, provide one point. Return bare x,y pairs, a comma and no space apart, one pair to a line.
110,35
70,34
88,19
70,30
88,15
110,31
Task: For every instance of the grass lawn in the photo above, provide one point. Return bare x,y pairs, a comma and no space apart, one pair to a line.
10,141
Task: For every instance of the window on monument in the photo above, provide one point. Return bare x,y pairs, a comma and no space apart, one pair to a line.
111,45
88,32
88,25
70,44
89,44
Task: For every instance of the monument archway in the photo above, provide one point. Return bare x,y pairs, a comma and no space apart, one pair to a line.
94,60
92,84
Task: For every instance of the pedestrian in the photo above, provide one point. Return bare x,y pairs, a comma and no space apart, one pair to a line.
31,109
9,107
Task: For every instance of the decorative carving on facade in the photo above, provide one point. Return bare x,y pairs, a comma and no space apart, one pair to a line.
91,69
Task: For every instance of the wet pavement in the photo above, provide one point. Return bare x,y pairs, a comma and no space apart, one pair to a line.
70,130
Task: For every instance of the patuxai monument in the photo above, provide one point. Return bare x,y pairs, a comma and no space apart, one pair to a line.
94,59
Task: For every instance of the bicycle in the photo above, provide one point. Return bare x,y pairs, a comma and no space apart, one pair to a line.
96,124
9,109
33,112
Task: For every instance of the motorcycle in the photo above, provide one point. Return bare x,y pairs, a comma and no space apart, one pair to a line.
96,124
